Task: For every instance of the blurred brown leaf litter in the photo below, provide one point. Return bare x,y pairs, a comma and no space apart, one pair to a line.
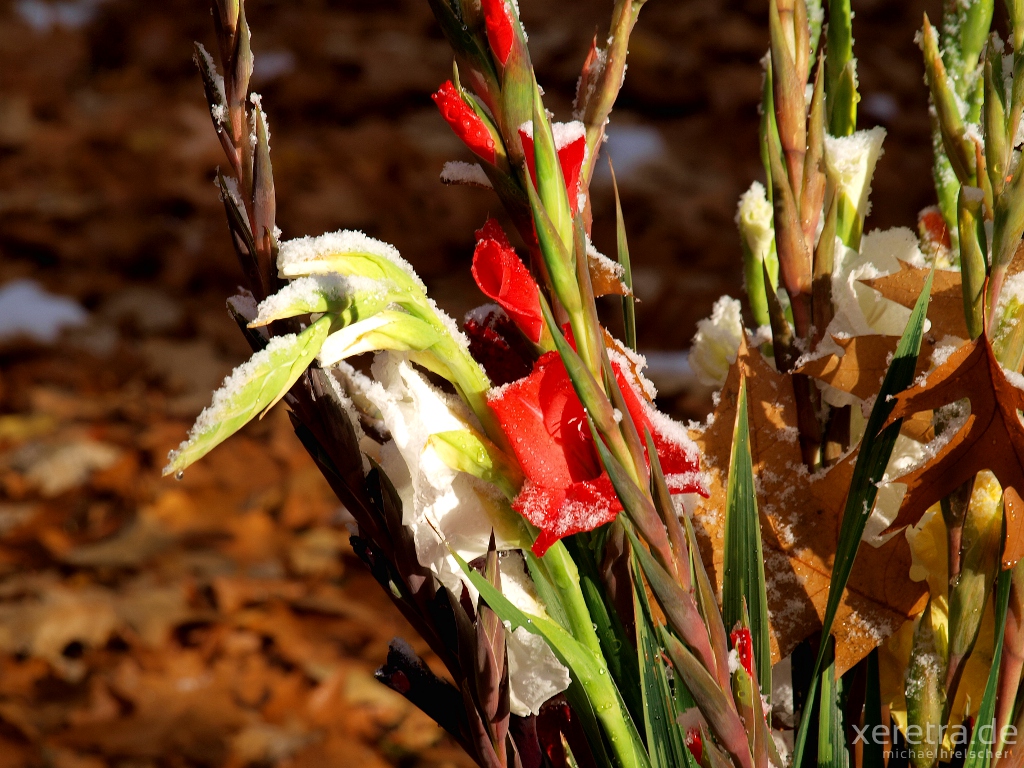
222,620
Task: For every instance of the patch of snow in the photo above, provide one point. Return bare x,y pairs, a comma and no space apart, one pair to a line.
28,310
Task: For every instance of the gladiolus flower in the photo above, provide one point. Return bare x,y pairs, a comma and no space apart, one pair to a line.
504,278
566,489
571,145
466,123
496,343
499,29
695,744
743,647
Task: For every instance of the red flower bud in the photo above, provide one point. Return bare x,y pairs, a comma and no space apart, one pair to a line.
695,743
504,278
932,227
571,145
743,644
499,29
465,122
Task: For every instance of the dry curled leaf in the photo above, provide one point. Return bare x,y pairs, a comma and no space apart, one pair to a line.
801,515
991,437
946,308
860,369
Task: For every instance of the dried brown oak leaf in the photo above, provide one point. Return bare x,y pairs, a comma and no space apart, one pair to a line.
859,372
946,308
991,438
800,518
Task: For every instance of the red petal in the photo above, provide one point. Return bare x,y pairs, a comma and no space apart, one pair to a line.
503,278
695,744
466,124
743,644
499,29
562,512
570,157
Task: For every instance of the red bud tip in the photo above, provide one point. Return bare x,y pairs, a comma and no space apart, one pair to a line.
932,227
571,145
503,278
743,644
499,29
466,124
491,230
695,743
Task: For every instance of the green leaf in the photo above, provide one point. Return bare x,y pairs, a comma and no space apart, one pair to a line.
743,581
874,749
467,451
665,742
253,388
840,70
587,669
628,301
550,181
875,451
389,329
832,752
979,753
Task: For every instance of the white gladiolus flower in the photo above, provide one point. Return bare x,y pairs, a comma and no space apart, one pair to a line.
850,161
445,508
389,329
754,218
717,342
859,309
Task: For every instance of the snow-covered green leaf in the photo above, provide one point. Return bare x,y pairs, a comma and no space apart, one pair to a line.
250,390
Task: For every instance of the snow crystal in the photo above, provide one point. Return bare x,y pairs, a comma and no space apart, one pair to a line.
717,342
612,266
626,361
459,172
243,304
306,254
851,160
218,110
305,291
563,133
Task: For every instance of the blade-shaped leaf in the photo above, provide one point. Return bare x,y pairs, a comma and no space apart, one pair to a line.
587,668
628,301
875,451
249,391
979,753
664,737
743,577
832,752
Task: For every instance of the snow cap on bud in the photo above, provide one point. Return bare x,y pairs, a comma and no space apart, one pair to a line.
717,342
466,123
850,164
571,145
390,329
500,33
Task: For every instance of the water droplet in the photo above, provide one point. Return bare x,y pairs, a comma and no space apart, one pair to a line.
179,475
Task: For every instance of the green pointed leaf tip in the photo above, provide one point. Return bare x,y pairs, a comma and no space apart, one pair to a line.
743,580
248,391
389,329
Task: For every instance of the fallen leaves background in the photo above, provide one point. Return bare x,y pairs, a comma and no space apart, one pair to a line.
222,620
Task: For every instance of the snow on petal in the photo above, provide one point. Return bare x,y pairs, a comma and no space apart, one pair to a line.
850,161
717,342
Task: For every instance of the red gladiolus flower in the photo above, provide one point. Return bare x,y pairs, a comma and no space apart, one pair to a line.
504,278
571,145
499,29
743,644
496,343
695,743
566,490
465,122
